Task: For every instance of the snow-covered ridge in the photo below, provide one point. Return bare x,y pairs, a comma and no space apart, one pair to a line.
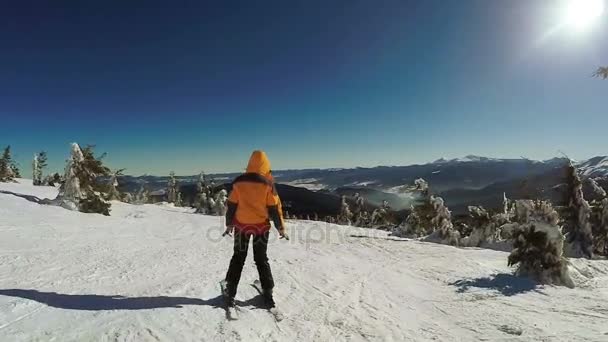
594,167
466,159
150,273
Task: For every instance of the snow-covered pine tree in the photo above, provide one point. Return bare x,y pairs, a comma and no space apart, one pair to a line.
484,227
71,192
444,231
211,205
577,222
7,166
172,188
80,189
113,193
36,171
430,218
345,214
359,203
220,202
202,195
380,216
142,195
38,165
538,243
127,197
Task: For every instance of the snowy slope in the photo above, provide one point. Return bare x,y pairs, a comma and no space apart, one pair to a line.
594,167
150,273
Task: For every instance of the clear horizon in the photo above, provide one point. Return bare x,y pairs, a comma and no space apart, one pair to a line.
316,85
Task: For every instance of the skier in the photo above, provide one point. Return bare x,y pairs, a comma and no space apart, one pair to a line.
252,203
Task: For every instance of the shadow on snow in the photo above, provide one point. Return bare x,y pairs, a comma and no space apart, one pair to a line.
506,284
101,303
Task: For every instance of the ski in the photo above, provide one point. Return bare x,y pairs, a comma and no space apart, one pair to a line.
276,313
232,312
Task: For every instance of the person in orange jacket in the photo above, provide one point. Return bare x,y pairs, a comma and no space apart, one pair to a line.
252,204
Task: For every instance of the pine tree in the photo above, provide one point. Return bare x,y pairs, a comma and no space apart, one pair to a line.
142,196
113,193
80,189
71,189
202,194
345,214
579,232
178,199
538,244
38,165
7,166
36,171
220,202
172,188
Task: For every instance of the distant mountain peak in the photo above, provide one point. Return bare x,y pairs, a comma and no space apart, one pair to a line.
465,159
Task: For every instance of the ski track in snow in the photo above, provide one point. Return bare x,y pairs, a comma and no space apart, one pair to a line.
150,273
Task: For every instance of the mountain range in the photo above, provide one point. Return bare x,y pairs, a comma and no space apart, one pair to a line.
472,180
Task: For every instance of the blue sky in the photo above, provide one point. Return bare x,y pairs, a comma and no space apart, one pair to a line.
197,86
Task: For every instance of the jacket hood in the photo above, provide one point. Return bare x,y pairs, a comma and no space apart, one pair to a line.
259,163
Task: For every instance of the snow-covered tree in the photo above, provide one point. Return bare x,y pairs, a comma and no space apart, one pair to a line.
113,193
430,218
80,189
71,190
8,169
36,171
359,203
578,227
178,200
142,196
202,203
127,197
172,188
202,195
484,227
345,214
220,202
421,186
380,216
538,243
38,165
444,231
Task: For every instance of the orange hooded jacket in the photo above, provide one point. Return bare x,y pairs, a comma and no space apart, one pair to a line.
254,201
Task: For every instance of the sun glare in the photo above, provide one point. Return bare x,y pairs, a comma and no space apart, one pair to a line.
582,14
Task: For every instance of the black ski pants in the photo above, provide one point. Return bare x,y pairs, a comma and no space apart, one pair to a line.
260,256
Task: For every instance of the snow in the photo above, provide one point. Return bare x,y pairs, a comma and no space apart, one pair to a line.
363,183
306,183
594,167
466,159
151,272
